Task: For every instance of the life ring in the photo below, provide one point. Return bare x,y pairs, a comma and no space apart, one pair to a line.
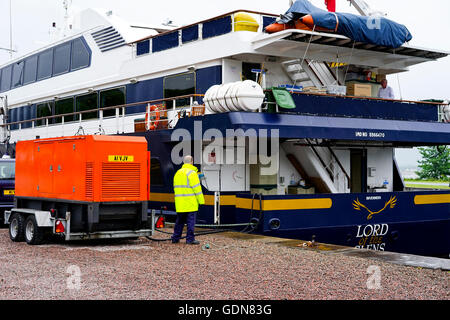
151,122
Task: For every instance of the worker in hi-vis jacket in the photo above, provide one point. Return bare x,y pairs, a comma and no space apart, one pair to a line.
188,197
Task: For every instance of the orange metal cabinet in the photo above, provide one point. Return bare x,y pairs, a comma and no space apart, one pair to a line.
84,168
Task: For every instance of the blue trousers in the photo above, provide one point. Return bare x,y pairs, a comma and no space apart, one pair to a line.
183,218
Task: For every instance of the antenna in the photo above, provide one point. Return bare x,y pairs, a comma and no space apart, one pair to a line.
67,27
10,31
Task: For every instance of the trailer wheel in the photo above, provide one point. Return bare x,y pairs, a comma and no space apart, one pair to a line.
16,228
34,235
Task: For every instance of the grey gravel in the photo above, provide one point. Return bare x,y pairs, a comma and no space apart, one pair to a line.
232,268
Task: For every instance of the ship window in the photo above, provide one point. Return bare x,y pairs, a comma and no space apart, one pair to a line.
45,63
43,110
143,47
6,79
156,175
26,115
29,75
17,76
189,34
217,27
166,41
180,85
87,102
80,55
61,59
62,107
110,98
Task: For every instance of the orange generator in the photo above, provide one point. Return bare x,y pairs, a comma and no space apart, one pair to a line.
88,186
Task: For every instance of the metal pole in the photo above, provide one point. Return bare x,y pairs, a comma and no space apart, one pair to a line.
10,30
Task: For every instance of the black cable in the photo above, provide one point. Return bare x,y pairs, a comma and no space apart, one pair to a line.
196,234
252,225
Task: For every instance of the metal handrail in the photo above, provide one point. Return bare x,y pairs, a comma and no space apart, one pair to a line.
157,101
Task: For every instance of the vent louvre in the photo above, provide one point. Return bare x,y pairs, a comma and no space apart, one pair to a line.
121,180
89,181
108,39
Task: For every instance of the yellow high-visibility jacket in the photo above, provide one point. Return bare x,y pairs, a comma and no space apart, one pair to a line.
188,190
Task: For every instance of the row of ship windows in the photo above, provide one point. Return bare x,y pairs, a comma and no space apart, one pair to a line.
205,30
173,86
92,101
69,56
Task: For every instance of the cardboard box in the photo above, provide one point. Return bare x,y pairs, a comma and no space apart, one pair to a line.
359,90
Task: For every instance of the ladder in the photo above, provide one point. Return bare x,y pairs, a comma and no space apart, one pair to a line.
310,74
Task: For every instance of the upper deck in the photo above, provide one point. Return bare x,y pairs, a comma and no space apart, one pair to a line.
120,77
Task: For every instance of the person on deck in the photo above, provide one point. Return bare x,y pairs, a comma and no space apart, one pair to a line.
385,91
188,197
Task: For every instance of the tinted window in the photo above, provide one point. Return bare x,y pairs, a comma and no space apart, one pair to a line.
110,98
179,85
7,170
30,70
43,110
6,79
143,47
156,175
17,74
26,115
87,102
61,59
62,107
45,63
80,55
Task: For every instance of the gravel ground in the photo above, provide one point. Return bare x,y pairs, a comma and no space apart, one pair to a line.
232,268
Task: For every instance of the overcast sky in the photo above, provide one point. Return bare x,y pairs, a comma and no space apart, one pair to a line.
428,21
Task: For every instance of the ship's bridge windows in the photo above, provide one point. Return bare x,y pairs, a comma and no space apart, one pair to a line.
64,106
61,58
110,98
44,110
81,56
87,102
17,76
30,71
6,79
45,64
179,85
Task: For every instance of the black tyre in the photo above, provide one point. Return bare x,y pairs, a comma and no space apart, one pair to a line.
17,227
33,234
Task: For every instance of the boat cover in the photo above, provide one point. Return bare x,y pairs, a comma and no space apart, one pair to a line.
374,30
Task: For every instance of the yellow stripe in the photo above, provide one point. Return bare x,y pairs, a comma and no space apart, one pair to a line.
209,199
243,203
162,197
286,204
432,199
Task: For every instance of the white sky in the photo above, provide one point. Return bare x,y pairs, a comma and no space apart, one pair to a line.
428,21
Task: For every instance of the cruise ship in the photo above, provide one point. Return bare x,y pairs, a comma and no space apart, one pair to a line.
286,127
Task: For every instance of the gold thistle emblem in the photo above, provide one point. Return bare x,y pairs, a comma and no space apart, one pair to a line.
391,203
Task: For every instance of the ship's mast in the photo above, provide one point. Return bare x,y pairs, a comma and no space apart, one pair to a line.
67,26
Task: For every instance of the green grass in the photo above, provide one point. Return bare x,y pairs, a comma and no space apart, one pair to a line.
424,186
433,181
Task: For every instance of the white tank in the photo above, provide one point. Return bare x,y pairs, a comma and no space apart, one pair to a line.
235,96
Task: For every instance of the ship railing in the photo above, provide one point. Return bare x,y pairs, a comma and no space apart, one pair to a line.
168,111
217,26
